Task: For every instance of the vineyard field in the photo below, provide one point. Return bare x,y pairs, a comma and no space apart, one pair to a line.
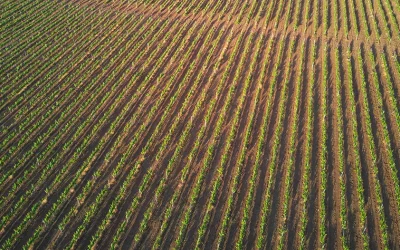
221,124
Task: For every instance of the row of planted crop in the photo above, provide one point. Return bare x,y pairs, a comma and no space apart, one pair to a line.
387,14
187,5
351,102
123,189
75,66
279,13
391,26
19,41
163,147
242,10
256,10
260,145
384,131
366,14
41,138
24,120
393,21
249,200
40,158
288,182
274,151
372,16
34,42
306,162
205,166
297,13
11,7
246,213
112,129
156,134
184,139
252,9
200,134
98,149
289,14
252,13
304,179
291,5
27,220
82,146
326,18
340,148
223,228
19,25
344,17
141,88
297,19
315,15
336,20
25,22
261,12
19,62
64,100
22,10
232,133
371,145
322,158
105,119
365,18
218,177
48,71
214,7
96,177
57,54
389,87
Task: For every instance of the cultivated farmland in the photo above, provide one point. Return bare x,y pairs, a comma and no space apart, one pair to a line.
223,124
